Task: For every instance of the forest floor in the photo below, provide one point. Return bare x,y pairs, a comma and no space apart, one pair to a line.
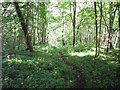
80,81
62,67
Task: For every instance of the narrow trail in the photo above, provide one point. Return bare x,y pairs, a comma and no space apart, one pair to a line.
80,81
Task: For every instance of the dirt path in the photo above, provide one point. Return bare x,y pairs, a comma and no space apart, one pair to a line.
80,82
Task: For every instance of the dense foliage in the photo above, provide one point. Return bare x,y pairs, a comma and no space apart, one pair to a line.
47,44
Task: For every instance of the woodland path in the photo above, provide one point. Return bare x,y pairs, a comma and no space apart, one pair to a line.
80,81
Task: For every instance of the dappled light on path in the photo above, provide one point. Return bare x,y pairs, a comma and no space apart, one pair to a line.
81,54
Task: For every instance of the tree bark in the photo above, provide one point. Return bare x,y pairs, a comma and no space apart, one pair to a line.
96,28
110,32
14,43
100,28
104,41
116,39
119,33
29,46
33,27
63,41
74,13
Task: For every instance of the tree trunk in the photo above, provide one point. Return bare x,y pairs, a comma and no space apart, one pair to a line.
19,40
29,46
119,33
77,36
100,28
33,27
104,41
34,37
96,27
14,43
45,27
1,29
110,30
80,37
116,39
63,41
112,17
74,13
28,21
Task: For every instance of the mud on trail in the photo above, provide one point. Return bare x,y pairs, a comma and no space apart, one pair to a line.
80,81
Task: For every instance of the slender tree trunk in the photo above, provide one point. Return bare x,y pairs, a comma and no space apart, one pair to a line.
100,28
112,17
77,35
28,42
104,41
45,21
80,37
108,42
42,33
28,21
1,36
14,43
110,30
34,37
116,39
74,14
96,28
119,33
33,27
63,41
38,20
88,35
19,40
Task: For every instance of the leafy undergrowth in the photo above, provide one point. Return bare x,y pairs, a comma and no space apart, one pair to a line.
99,72
41,69
45,69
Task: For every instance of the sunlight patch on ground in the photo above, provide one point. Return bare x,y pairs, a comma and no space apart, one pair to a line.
94,49
81,54
29,60
113,62
45,48
103,55
9,60
19,61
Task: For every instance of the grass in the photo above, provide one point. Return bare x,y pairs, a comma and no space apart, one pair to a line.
99,72
45,69
36,70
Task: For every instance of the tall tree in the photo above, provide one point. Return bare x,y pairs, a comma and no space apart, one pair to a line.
96,28
74,14
44,22
119,31
25,29
33,25
63,41
14,42
110,30
100,28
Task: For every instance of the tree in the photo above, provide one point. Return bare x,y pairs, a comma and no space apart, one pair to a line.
33,26
63,41
96,27
74,14
100,28
111,30
119,32
73,20
25,29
